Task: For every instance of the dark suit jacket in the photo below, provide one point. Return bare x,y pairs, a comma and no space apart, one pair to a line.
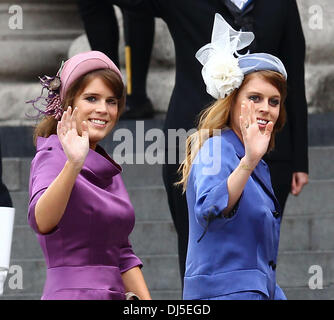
277,28
5,200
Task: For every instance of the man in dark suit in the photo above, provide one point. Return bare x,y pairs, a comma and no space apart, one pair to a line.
278,31
102,31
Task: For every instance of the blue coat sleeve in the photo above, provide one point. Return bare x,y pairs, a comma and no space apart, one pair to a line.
212,166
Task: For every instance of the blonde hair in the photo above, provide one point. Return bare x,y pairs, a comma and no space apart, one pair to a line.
218,116
48,125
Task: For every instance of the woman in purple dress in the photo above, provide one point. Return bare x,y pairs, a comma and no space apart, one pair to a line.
79,206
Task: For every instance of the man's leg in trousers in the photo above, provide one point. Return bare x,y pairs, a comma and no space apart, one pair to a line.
101,27
5,199
281,178
179,211
139,36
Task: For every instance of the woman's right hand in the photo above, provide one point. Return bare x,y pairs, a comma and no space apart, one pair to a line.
76,147
256,143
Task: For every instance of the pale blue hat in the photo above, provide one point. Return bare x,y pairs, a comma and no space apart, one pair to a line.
261,61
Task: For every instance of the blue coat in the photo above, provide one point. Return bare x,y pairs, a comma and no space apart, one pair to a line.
238,253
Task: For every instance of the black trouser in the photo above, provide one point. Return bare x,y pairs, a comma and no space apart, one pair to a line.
178,207
5,199
281,180
101,26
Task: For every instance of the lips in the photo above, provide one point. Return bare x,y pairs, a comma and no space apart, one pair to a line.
100,123
262,122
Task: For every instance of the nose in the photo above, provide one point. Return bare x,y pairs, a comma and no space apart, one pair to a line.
102,107
264,106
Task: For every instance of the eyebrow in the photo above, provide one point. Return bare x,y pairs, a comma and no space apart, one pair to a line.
260,94
96,94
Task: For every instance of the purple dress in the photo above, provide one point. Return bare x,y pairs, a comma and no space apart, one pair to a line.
89,248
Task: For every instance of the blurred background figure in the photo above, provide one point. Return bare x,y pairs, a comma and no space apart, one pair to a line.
102,31
6,228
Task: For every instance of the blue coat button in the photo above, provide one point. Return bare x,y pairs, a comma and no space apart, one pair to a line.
276,214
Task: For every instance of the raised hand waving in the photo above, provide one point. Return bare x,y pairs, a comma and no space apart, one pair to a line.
76,147
256,142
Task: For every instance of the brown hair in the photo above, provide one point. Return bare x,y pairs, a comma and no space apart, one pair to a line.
48,125
218,116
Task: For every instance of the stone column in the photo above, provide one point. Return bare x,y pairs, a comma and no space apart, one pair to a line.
318,25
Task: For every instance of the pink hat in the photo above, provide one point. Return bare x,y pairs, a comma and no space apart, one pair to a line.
73,68
81,64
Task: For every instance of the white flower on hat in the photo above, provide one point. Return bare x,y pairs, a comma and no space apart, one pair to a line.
222,75
221,72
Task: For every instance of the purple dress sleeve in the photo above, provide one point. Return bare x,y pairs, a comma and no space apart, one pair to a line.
128,259
45,167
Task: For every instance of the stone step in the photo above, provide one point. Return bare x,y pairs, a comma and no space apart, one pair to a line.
305,293
315,199
321,163
312,233
150,203
154,238
25,50
147,238
159,237
16,130
18,296
33,277
161,273
295,268
16,169
25,244
16,94
20,202
155,294
291,294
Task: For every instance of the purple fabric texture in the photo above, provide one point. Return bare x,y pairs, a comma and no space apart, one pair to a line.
89,248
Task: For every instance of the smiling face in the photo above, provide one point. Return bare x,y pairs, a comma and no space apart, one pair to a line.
267,102
98,106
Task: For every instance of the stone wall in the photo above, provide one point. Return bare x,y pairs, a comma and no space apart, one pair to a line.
318,25
36,44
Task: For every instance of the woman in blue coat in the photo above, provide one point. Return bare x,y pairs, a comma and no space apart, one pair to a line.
234,216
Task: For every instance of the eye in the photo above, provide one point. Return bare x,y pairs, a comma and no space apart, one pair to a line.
90,99
254,98
112,101
274,102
